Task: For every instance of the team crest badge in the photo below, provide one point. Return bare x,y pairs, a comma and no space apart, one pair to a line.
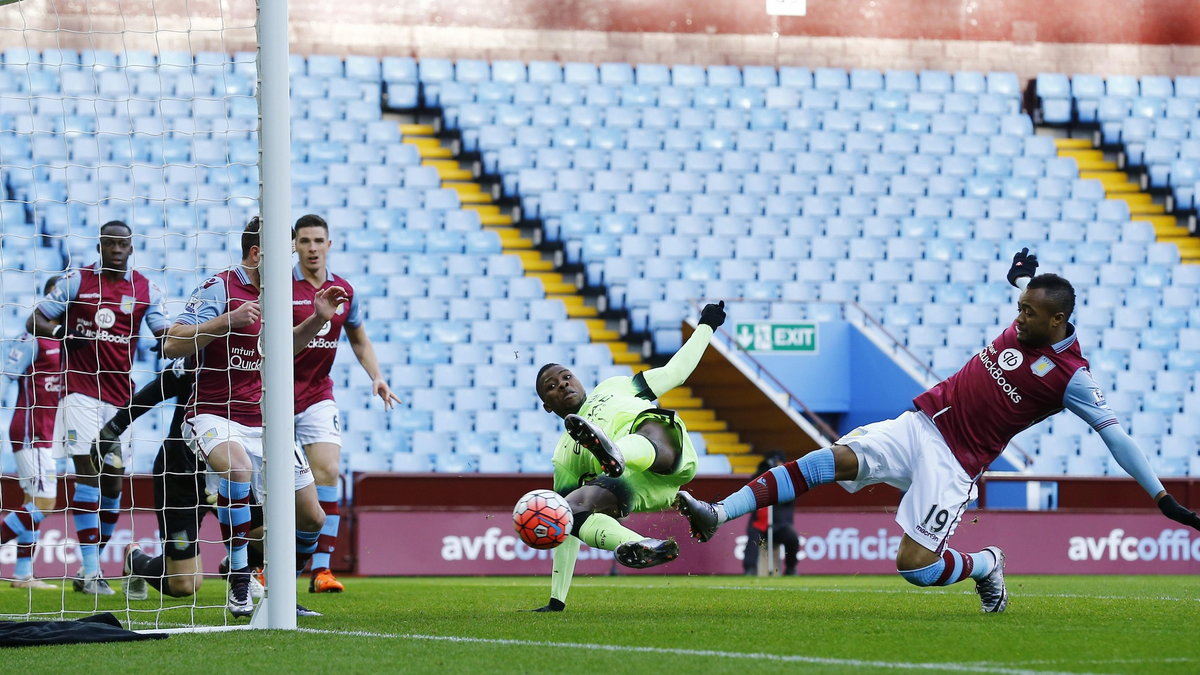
179,540
1042,366
127,302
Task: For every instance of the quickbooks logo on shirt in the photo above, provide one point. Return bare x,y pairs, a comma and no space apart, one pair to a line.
777,337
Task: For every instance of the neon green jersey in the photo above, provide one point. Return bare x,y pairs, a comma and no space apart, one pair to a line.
613,406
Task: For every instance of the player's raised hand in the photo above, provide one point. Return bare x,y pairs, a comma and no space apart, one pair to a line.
1024,264
382,390
1178,512
713,315
327,300
246,314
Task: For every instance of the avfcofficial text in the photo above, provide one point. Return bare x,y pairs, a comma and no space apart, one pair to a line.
842,543
998,374
493,546
1170,545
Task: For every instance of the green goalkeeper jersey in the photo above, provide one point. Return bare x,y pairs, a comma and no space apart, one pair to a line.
616,405
613,406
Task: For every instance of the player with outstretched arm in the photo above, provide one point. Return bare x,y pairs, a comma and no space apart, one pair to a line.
1033,370
221,325
620,454
317,428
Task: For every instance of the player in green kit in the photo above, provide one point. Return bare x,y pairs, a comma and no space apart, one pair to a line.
620,454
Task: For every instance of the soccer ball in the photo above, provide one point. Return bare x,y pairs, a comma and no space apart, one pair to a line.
543,519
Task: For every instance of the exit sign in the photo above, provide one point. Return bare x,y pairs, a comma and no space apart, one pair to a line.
777,337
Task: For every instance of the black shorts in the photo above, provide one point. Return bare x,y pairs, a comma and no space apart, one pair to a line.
620,489
181,501
180,528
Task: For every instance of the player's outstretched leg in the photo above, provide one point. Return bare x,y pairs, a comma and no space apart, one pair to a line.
986,567
596,442
647,552
701,516
595,507
781,484
993,594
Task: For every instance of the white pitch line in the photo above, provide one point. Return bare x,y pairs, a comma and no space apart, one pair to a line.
1047,662
752,656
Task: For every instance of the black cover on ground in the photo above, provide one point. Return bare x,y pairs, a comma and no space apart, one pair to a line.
98,628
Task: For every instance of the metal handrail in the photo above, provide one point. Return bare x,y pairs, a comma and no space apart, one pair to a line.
794,401
896,343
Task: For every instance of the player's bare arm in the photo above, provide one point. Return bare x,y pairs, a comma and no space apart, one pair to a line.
364,351
39,326
184,339
325,303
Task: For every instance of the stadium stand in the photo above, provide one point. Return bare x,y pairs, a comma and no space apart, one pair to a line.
796,190
648,180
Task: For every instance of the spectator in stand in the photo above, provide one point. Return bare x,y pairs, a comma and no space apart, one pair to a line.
782,531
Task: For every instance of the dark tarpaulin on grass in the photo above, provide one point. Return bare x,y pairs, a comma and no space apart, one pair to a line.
98,628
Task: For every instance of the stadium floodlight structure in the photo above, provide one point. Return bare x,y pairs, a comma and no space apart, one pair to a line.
179,125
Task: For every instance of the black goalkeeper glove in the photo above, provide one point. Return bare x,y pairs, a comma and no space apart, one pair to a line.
106,448
713,315
1024,264
1178,512
70,341
555,605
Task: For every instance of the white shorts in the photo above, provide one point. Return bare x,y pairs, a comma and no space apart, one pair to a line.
77,423
319,423
909,453
205,432
301,475
36,471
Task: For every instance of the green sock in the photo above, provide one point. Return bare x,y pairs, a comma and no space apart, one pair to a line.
601,531
638,452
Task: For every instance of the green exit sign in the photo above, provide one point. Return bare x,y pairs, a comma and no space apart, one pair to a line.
777,337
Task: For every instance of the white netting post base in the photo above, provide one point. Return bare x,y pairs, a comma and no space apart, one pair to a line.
144,113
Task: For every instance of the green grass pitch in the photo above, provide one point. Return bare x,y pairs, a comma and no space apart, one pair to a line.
658,624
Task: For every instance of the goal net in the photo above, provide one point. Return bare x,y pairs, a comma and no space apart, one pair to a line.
143,113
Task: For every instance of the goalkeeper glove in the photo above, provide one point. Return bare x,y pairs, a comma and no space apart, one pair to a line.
713,315
1024,264
70,341
1178,513
106,448
555,605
